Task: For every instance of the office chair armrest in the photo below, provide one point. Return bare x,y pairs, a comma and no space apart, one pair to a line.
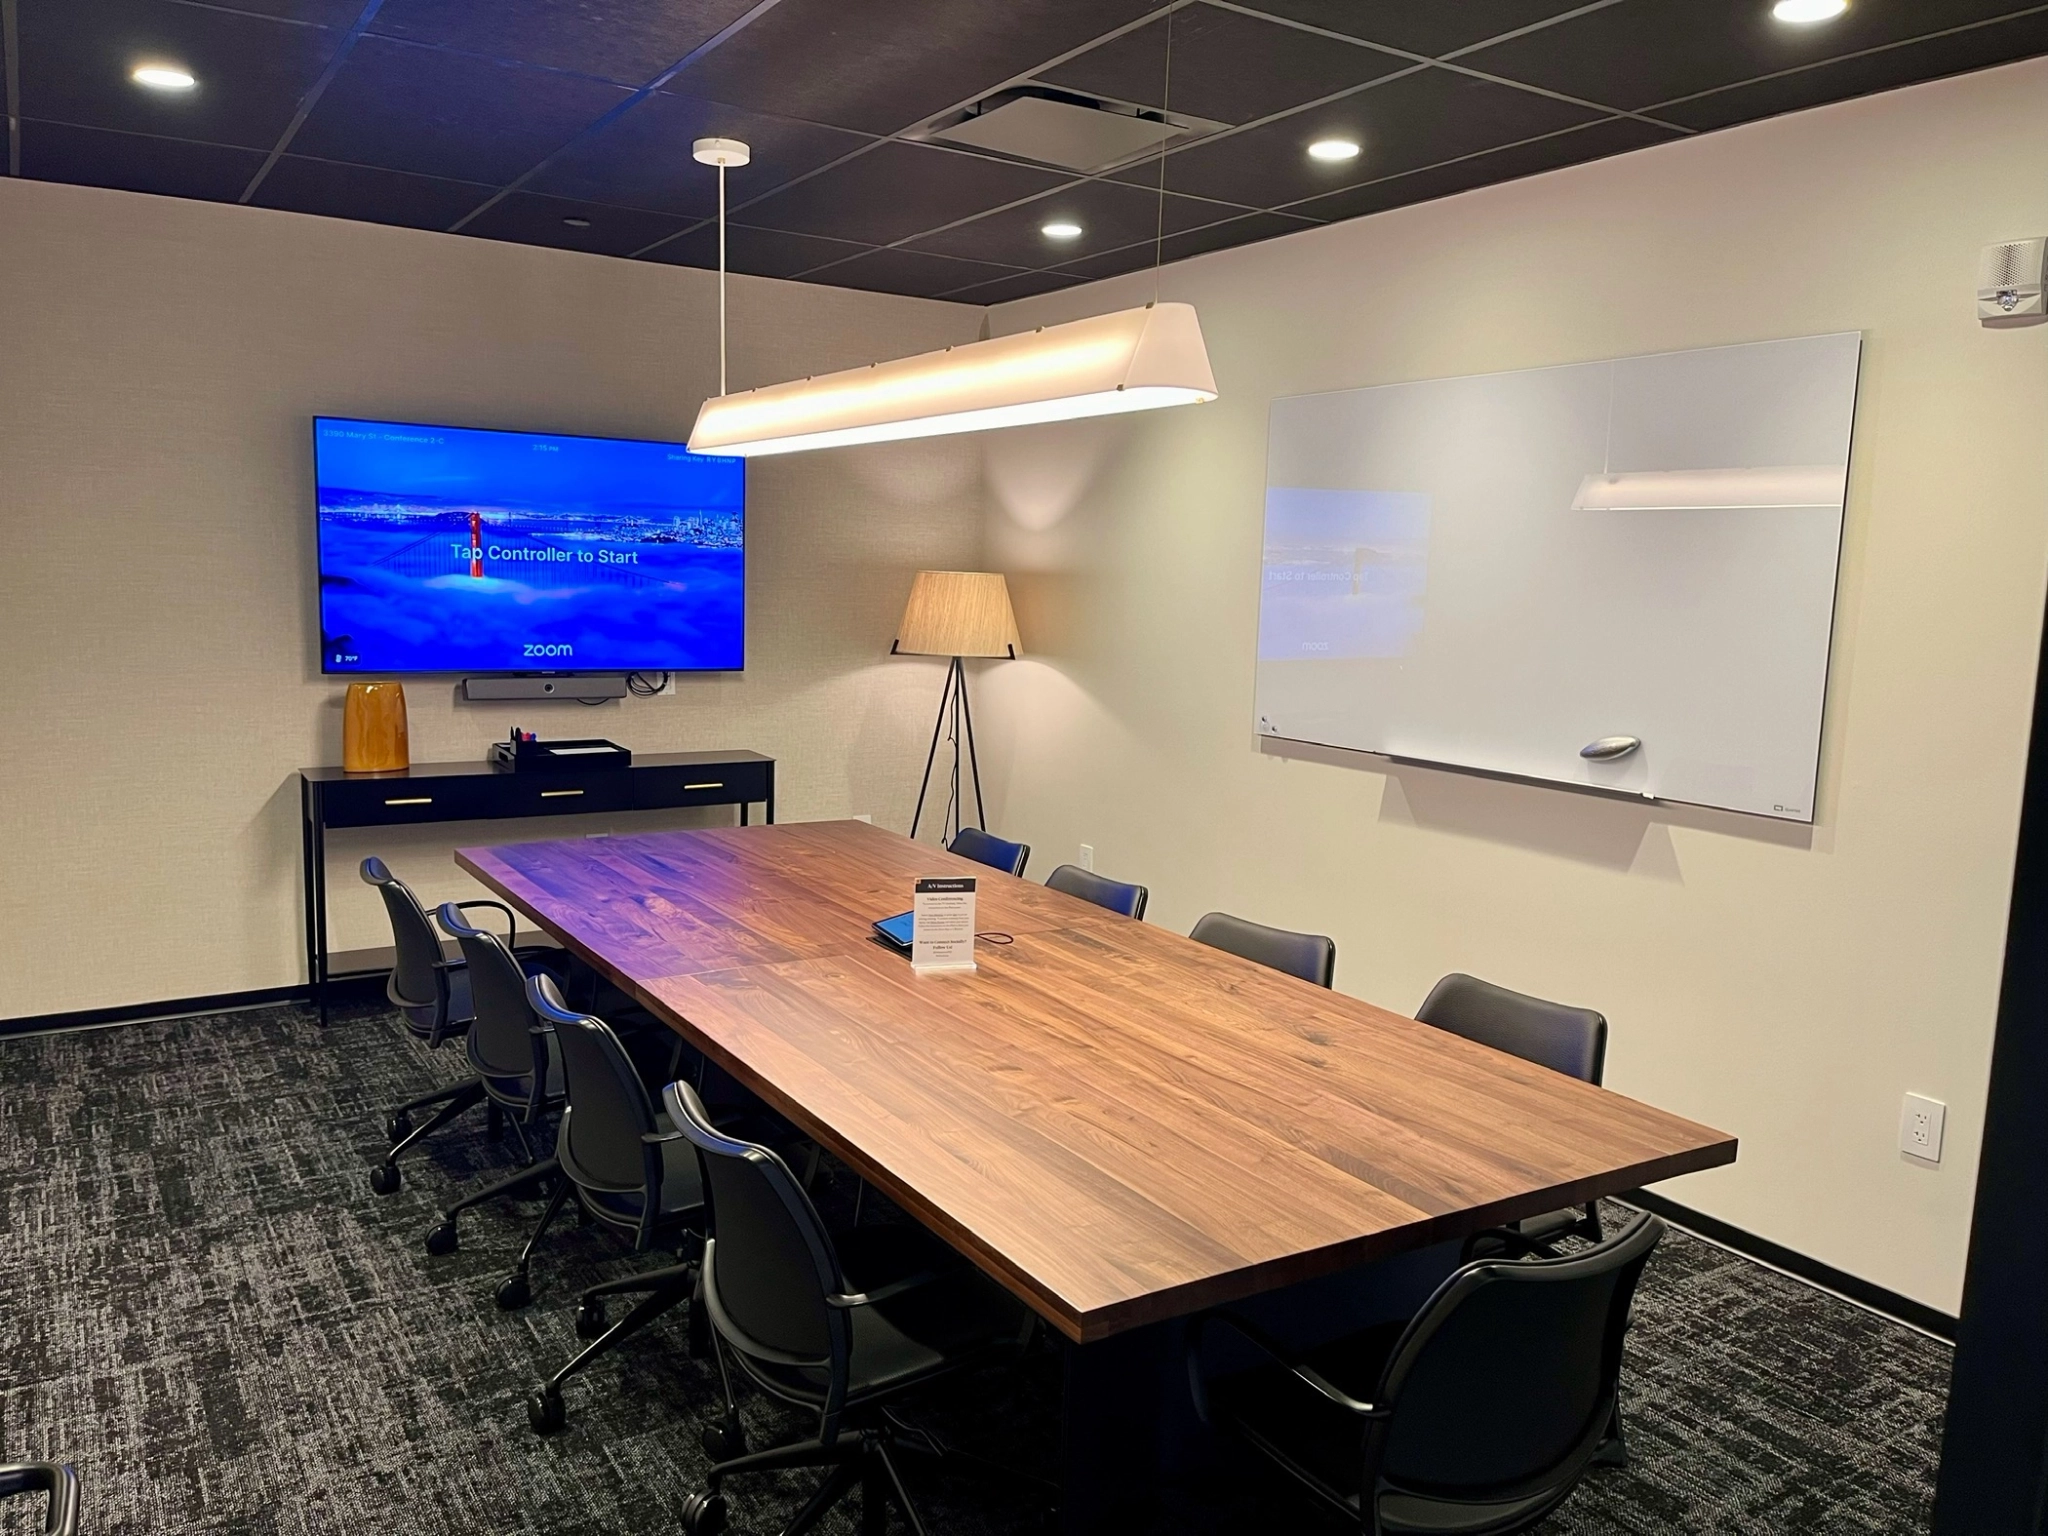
1308,1376
885,1292
511,918
52,1477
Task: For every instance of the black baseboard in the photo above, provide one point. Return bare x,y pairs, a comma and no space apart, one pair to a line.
1875,1297
350,990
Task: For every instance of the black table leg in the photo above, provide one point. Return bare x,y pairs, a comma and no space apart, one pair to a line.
1129,1437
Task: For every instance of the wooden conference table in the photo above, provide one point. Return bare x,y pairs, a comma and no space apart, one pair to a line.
1118,1124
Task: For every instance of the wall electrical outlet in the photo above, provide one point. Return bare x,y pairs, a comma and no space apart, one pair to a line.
1921,1120
864,816
1087,855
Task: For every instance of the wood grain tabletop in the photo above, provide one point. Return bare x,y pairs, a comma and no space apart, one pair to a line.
1117,1123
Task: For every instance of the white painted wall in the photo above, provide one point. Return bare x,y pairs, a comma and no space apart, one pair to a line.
159,361
1785,984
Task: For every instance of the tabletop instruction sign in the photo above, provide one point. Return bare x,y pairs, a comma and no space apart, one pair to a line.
942,926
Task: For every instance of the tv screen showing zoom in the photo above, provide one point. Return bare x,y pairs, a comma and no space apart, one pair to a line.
444,549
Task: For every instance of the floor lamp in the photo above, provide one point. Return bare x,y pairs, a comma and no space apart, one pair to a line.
955,614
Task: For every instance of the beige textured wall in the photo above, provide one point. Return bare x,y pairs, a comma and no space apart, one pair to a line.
159,361
1784,986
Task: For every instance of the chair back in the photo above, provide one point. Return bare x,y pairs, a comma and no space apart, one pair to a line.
504,1039
995,852
1568,1040
1503,1385
1310,956
600,1144
418,987
769,1265
1125,900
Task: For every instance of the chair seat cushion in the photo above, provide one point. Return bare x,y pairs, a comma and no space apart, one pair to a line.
1312,1437
419,1022
682,1186
515,1090
946,1322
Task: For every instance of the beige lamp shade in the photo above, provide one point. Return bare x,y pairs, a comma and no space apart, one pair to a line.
958,613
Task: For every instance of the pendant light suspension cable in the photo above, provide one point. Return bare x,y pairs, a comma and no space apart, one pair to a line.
720,153
1165,106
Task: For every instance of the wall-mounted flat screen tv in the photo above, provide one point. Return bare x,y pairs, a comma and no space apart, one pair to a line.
444,549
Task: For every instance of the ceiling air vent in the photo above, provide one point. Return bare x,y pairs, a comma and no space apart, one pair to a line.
1073,132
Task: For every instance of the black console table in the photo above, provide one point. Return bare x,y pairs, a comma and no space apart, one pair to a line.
330,797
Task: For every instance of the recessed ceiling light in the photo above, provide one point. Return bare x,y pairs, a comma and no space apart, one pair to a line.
1803,13
1061,229
576,223
1333,149
162,77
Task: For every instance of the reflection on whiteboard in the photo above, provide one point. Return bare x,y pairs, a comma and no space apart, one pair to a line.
1495,572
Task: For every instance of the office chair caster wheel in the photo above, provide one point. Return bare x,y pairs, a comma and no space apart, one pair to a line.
704,1514
723,1442
544,1411
443,1240
384,1178
514,1294
590,1319
397,1128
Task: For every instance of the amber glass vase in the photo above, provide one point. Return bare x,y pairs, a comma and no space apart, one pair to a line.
373,736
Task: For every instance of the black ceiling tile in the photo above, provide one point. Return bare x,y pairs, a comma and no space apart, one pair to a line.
1239,231
300,185
1979,47
630,41
1227,67
135,162
1110,214
897,190
448,114
1434,27
338,14
251,70
883,65
1431,115
1646,51
911,272
642,159
756,252
532,220
1019,285
1614,136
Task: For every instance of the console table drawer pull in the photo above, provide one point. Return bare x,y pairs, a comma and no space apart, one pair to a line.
412,800
703,786
550,794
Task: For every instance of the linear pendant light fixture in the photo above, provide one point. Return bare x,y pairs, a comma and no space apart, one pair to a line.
1131,360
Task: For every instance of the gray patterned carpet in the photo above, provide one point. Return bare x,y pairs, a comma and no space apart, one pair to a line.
206,1310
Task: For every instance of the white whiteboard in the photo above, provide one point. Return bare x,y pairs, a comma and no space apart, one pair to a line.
1494,572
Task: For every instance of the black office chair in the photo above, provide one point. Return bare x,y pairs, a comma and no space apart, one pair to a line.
1124,900
1568,1040
629,1170
973,843
518,1064
55,1478
1307,955
1477,1418
783,1303
431,994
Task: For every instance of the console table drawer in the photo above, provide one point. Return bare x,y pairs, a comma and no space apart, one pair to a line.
560,794
394,802
709,784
